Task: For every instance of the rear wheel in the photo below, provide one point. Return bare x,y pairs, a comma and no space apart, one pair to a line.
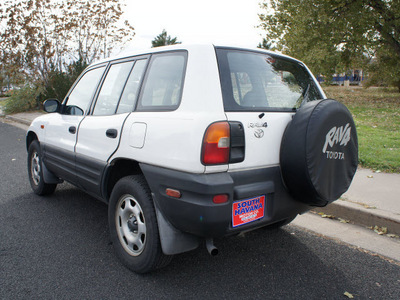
35,171
133,226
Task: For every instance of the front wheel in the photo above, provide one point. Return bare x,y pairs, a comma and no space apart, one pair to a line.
35,171
133,226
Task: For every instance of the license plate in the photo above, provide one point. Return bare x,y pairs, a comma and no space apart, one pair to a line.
249,210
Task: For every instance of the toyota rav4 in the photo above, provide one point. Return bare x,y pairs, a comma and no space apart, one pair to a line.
190,143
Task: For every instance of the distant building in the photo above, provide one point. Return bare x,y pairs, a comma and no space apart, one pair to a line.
353,77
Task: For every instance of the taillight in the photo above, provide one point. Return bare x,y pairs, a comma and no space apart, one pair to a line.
223,143
216,144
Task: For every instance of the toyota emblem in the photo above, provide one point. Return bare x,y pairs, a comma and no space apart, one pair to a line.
259,133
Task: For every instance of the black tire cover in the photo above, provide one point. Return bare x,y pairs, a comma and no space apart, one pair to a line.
319,152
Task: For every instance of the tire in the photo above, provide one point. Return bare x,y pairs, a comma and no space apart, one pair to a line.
319,152
133,226
35,171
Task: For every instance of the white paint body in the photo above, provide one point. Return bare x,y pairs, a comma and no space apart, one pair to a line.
170,139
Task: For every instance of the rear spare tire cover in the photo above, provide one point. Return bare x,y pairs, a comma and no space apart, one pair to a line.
319,152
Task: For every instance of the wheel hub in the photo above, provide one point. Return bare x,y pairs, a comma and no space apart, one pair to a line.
35,168
133,224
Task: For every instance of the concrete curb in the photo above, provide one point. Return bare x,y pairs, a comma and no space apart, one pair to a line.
19,120
354,235
360,215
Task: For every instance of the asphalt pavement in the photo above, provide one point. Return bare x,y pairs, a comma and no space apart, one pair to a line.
58,247
373,199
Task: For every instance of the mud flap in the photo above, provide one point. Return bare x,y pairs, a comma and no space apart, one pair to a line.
174,241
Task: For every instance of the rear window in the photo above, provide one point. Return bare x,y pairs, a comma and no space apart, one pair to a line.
253,81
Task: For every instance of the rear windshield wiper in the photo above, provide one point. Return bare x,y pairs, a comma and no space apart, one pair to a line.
305,95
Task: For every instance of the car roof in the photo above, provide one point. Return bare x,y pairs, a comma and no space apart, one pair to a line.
185,47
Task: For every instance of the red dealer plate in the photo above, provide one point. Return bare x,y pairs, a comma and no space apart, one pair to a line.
248,210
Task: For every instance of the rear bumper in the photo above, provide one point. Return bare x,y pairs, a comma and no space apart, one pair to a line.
195,212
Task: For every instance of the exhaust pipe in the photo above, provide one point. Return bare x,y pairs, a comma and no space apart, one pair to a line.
212,250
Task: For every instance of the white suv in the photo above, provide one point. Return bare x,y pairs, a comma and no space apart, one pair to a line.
189,143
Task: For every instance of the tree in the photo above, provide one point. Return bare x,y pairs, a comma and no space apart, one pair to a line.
24,44
264,44
38,37
333,35
93,26
163,39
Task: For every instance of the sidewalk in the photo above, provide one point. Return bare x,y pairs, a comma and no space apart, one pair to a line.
25,118
372,200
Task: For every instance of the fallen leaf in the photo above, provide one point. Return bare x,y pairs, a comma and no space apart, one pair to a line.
380,230
369,206
391,235
348,295
327,216
14,159
343,220
370,176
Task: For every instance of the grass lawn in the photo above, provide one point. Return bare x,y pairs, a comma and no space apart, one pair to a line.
376,112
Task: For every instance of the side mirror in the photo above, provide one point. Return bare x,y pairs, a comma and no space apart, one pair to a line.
52,105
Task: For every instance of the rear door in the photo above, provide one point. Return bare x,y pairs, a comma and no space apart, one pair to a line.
262,91
100,131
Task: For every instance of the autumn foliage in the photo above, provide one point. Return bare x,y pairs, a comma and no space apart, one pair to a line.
45,42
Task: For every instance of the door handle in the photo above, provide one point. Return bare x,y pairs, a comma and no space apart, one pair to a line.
112,133
72,129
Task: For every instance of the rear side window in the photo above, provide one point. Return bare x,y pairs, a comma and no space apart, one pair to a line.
162,89
110,92
129,95
253,81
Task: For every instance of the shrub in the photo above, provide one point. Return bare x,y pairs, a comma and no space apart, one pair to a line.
32,96
24,99
59,82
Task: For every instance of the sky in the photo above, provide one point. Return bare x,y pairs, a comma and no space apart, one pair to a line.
224,22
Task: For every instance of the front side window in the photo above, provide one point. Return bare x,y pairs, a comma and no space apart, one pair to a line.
163,85
253,81
79,99
111,89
